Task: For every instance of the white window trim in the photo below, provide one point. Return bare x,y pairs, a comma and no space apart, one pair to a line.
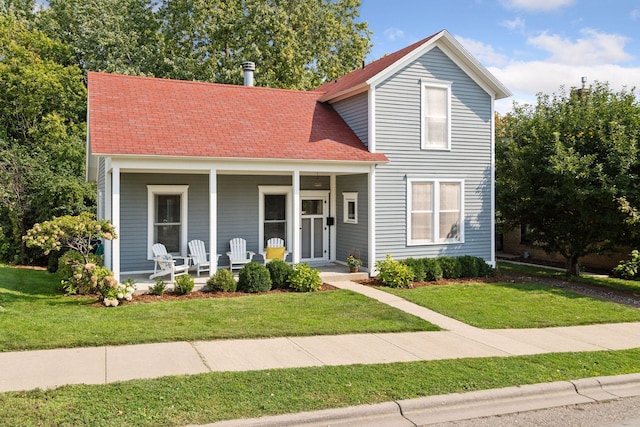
275,189
436,212
424,84
152,191
349,196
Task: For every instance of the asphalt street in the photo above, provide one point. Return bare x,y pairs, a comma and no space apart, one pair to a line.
613,413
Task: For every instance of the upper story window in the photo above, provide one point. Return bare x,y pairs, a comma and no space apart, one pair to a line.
436,115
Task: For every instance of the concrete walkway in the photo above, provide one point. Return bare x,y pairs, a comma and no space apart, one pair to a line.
100,365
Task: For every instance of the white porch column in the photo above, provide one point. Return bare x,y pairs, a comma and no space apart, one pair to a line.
333,213
372,220
115,220
108,194
296,217
213,219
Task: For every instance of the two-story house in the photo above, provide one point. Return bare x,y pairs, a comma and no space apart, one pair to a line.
394,158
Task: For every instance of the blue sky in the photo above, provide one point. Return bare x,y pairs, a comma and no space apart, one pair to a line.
531,46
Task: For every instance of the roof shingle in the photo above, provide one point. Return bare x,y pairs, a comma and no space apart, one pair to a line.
145,116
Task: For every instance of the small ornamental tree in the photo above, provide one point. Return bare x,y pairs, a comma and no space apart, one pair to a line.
73,232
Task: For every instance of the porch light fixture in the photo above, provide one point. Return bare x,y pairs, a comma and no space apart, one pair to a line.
317,183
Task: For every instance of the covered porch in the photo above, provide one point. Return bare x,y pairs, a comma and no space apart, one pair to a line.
322,211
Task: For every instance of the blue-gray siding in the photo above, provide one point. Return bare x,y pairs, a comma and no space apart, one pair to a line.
352,237
237,211
398,121
101,188
354,111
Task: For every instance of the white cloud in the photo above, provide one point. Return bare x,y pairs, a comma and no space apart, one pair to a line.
526,79
393,34
593,48
516,24
536,5
484,53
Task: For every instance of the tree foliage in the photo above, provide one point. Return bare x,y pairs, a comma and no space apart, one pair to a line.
42,131
294,43
563,166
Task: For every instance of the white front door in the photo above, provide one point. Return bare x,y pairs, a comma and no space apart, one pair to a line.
314,233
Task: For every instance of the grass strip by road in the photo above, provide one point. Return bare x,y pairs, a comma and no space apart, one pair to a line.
632,286
211,397
516,305
34,315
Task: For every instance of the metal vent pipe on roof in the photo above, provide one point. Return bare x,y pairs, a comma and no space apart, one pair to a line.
248,67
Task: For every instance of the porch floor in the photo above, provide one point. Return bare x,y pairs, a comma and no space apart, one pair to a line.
328,272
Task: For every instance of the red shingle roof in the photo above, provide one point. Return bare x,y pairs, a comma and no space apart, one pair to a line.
147,116
361,75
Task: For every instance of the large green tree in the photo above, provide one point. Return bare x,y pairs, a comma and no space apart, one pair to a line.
564,165
42,133
294,43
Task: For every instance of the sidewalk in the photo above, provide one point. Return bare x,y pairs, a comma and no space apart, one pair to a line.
100,365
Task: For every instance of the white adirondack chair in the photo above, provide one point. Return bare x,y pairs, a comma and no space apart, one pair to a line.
277,245
166,263
199,256
239,255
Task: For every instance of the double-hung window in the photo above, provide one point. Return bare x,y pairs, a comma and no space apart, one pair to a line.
436,115
434,211
167,217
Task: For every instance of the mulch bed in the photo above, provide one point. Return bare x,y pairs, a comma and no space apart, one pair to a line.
170,296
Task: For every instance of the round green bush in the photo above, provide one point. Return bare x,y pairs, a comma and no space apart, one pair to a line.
417,266
451,268
304,278
183,284
279,271
432,269
71,259
469,266
221,281
253,278
393,273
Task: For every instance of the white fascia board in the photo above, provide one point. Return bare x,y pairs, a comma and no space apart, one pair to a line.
458,54
348,93
197,165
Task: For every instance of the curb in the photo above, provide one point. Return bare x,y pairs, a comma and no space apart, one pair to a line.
458,406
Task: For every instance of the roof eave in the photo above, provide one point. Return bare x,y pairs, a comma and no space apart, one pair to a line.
347,93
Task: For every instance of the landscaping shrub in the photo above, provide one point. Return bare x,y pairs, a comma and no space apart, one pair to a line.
111,292
484,269
71,260
183,284
78,277
159,288
393,273
304,278
451,268
221,281
254,277
279,271
432,269
628,270
469,266
417,266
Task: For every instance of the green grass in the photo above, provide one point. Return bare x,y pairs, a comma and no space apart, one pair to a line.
214,397
632,286
34,315
512,305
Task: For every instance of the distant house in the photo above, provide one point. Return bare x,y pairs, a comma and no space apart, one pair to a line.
394,158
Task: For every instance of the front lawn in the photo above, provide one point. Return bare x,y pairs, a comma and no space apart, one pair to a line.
34,315
632,286
217,396
516,305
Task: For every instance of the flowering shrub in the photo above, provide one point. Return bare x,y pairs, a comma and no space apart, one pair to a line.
85,278
74,232
353,261
111,292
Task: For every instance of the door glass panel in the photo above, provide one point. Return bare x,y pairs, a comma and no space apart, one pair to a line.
318,243
312,207
306,238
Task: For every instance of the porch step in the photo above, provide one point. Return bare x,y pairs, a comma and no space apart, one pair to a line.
336,276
